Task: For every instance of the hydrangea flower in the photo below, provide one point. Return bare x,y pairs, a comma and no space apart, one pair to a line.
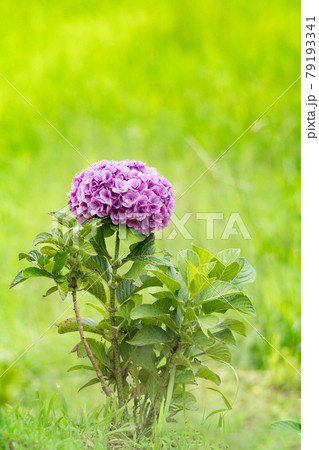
128,192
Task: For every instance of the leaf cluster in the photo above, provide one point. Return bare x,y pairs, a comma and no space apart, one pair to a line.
168,339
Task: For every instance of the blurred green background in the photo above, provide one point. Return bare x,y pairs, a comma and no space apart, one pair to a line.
172,83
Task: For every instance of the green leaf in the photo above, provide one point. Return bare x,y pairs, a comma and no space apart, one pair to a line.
188,261
207,322
31,272
199,283
129,235
25,255
105,325
220,352
87,321
124,290
163,295
234,325
125,351
100,265
146,310
208,267
200,340
107,227
167,254
165,303
176,316
169,282
96,288
189,401
48,266
127,288
180,359
81,352
80,366
239,302
89,383
165,319
189,316
35,255
204,255
61,278
246,275
228,405
207,374
225,336
64,219
125,309
50,291
63,289
98,242
94,222
150,334
187,339
60,260
70,325
289,426
149,282
43,237
185,377
216,290
192,258
230,271
183,267
98,350
228,256
217,269
17,279
144,248
137,269
57,235
153,260
144,357
97,308
47,250
87,248
32,256
69,235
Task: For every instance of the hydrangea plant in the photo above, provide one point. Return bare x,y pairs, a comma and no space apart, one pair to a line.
162,318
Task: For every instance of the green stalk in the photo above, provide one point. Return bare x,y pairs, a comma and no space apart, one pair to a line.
99,374
112,310
164,377
169,391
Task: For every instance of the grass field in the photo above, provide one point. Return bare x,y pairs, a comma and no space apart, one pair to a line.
173,84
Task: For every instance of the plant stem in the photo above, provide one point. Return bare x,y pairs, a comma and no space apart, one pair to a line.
159,393
99,374
165,377
116,353
135,406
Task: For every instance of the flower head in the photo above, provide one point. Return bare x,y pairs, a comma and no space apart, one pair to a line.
128,192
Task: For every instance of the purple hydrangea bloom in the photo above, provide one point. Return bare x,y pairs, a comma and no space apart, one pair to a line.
128,192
